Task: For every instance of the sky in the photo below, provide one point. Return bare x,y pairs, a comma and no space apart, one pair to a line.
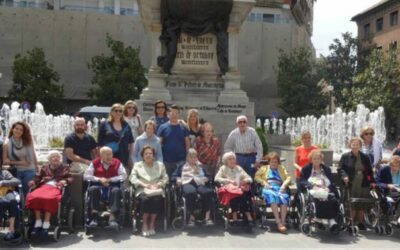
332,18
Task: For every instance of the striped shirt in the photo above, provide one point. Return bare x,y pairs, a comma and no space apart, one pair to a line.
244,143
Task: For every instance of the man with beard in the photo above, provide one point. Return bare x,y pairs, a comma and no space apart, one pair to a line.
79,149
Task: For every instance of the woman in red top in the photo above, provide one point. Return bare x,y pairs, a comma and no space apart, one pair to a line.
301,152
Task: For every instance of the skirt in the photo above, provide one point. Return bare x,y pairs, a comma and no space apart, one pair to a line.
45,198
273,195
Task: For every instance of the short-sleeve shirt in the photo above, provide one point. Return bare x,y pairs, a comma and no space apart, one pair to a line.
302,157
108,134
81,147
173,141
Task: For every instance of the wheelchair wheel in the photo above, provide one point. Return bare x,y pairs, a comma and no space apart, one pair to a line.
308,229
27,232
165,226
57,233
134,225
87,231
389,230
178,223
226,223
71,221
372,217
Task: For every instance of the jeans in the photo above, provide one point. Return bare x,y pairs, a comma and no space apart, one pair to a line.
25,176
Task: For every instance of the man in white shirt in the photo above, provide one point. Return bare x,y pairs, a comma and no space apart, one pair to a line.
246,145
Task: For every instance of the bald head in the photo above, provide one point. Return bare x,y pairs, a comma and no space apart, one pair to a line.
106,154
80,125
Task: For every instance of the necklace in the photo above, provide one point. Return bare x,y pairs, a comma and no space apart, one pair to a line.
17,145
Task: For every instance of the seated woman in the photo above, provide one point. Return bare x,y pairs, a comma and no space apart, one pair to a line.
149,177
47,193
236,188
317,178
8,202
193,179
275,181
107,172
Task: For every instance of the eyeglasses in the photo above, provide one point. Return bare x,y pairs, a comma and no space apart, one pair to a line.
242,122
368,134
160,107
117,110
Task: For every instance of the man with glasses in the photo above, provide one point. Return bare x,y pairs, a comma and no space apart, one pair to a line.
246,144
174,137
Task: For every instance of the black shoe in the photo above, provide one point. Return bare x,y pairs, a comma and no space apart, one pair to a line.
252,223
36,231
9,237
335,229
44,233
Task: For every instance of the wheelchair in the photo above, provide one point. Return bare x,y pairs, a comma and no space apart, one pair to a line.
224,212
62,220
179,222
104,211
262,208
135,213
372,212
19,222
308,208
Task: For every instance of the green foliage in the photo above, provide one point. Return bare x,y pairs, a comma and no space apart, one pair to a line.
264,143
378,84
34,81
118,77
298,84
56,142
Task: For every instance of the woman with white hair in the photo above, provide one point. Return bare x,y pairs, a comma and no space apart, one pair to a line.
46,195
235,189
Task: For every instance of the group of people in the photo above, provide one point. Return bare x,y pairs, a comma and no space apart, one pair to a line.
167,149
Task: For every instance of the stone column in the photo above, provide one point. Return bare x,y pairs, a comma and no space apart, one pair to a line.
117,7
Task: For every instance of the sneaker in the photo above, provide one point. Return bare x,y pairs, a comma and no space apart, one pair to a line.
9,236
209,222
152,232
145,234
113,224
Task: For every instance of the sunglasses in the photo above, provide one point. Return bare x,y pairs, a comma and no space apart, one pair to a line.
117,110
242,122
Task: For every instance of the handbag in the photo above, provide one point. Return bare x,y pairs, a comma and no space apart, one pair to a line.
153,192
115,145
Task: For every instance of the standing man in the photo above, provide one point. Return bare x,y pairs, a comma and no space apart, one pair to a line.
80,149
175,143
246,144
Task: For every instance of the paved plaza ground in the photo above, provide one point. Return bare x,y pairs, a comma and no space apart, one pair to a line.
217,238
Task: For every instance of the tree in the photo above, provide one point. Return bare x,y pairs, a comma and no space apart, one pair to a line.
118,77
298,84
378,84
34,81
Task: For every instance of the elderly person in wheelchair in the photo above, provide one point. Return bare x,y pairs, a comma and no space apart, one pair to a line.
46,192
388,181
275,180
9,202
316,179
235,190
149,178
192,177
105,176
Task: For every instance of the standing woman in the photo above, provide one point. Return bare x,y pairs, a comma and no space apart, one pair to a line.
116,134
208,149
193,124
19,153
356,172
301,153
132,117
371,146
160,114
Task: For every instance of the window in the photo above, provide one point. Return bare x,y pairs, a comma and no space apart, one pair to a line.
268,18
258,17
379,24
366,30
394,16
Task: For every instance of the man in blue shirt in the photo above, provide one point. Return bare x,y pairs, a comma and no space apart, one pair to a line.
175,142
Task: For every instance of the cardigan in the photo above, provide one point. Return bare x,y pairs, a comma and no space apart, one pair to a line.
262,173
306,172
347,166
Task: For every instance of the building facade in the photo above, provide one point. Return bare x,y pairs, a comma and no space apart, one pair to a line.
380,24
71,32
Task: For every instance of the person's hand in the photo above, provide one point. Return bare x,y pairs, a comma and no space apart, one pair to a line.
24,163
346,180
104,181
267,186
154,186
178,182
282,189
87,162
63,182
31,184
390,186
373,185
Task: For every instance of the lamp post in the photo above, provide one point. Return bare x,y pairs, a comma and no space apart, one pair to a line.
330,91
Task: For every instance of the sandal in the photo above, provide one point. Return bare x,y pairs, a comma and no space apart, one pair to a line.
282,229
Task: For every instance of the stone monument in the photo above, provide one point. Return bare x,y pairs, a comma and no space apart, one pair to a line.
194,59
